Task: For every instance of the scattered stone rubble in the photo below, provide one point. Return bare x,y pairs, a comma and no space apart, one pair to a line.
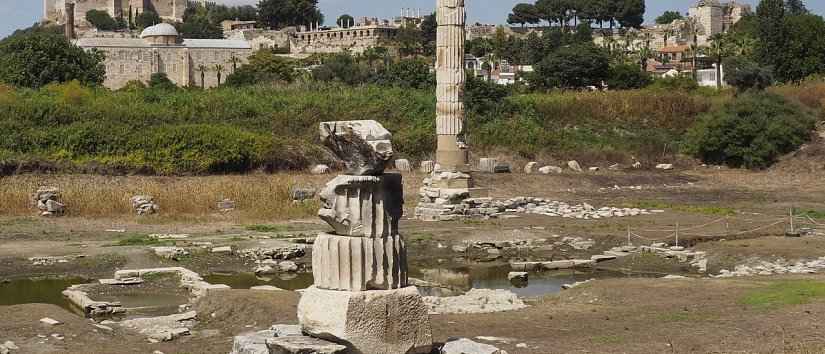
475,301
163,328
46,199
188,279
7,347
173,253
144,204
274,260
445,205
780,266
52,260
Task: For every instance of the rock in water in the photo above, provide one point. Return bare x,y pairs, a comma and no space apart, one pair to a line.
365,145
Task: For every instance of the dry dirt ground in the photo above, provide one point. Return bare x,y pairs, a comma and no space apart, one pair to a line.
728,213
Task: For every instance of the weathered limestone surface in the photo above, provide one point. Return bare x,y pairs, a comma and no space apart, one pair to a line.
302,345
449,69
427,166
530,167
368,322
364,145
466,346
359,263
367,206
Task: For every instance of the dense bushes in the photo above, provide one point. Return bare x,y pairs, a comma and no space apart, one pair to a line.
752,131
191,131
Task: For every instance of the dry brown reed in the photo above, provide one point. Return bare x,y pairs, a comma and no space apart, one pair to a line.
256,196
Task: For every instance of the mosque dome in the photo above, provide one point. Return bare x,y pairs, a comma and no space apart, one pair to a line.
160,34
162,29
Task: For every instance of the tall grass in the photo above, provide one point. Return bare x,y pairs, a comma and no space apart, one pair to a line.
258,197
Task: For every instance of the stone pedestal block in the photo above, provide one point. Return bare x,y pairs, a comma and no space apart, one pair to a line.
359,263
369,322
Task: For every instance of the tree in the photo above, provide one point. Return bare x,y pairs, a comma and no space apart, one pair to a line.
752,131
161,81
626,77
147,18
771,32
572,67
668,17
101,20
804,49
718,50
278,14
410,41
345,21
524,14
429,31
796,7
202,69
407,73
37,58
263,68
200,28
744,74
219,70
631,13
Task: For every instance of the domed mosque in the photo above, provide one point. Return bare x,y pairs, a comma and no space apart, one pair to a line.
161,49
160,34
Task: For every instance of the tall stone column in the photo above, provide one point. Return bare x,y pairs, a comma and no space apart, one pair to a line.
451,153
449,185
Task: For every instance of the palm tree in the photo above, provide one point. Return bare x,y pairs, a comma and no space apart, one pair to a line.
693,26
645,53
235,62
202,69
219,70
719,49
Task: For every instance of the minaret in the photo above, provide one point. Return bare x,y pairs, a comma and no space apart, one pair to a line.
449,65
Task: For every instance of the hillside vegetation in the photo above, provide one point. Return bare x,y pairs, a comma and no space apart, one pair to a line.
71,128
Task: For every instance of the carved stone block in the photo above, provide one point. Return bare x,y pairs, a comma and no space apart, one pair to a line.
358,263
363,206
364,145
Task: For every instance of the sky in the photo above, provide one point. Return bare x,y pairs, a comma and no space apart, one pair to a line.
15,14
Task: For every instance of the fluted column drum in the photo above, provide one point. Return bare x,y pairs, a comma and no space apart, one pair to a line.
359,263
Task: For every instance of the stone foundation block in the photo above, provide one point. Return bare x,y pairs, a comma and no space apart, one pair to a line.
369,322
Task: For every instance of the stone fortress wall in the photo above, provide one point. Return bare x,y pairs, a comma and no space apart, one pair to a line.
355,39
181,65
54,10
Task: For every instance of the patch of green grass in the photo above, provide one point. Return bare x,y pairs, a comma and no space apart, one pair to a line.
784,293
141,240
694,209
813,214
609,339
267,228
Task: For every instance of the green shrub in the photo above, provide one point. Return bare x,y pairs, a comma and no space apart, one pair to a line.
680,83
744,74
102,21
752,131
626,77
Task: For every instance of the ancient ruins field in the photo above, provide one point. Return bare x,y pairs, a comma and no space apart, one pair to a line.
737,218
